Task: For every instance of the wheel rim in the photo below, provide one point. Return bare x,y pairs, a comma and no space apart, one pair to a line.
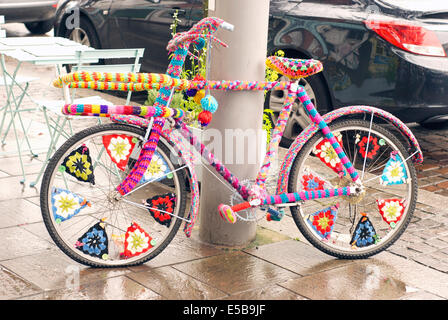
79,35
298,118
106,204
349,211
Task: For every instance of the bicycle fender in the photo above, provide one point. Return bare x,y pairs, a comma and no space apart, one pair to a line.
312,129
189,159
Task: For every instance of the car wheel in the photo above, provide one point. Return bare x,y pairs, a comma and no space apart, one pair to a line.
84,34
298,119
40,27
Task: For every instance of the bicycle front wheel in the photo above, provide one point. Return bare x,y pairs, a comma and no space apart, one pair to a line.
85,215
355,226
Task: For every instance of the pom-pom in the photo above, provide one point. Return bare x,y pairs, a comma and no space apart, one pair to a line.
204,118
200,43
209,103
191,92
199,95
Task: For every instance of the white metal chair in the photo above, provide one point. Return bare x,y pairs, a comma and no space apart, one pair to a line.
60,124
11,80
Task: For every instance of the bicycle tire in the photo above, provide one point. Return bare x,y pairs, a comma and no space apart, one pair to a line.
331,244
119,215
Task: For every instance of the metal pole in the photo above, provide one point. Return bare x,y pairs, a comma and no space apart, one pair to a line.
239,116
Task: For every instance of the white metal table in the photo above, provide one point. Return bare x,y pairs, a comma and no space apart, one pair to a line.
55,51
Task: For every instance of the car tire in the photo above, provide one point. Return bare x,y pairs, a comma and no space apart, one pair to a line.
298,119
40,27
85,34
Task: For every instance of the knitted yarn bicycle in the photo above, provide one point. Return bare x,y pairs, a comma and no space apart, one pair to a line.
115,194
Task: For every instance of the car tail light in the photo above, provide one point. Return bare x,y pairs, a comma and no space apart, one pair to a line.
409,37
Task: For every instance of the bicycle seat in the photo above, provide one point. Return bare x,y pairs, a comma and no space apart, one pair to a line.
294,68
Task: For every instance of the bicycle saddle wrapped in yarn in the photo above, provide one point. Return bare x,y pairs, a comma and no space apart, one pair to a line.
294,68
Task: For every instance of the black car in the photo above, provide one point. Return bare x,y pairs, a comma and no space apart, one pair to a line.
386,53
37,15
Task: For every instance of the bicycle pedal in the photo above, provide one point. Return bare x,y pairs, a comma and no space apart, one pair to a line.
274,215
227,213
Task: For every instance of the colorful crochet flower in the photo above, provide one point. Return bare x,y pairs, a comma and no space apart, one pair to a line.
394,172
161,206
323,221
326,153
119,148
137,241
66,204
157,168
79,165
373,147
391,210
365,234
311,181
94,242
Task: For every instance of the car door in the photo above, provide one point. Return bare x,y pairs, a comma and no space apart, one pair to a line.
146,24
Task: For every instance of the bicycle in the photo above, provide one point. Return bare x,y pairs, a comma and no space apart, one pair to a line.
115,194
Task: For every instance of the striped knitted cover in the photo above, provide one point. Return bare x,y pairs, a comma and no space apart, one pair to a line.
306,195
99,110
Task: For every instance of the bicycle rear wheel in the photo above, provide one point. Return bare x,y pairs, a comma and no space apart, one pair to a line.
85,215
358,226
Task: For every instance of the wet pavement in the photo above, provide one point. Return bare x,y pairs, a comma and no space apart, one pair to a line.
278,265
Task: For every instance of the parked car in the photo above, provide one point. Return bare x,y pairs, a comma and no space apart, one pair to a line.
37,15
386,53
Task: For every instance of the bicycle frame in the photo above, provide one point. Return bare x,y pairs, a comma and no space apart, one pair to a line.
294,91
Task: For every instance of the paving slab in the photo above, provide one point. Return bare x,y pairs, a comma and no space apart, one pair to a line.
235,272
116,288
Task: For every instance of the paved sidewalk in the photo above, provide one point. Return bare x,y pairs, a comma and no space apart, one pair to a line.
278,265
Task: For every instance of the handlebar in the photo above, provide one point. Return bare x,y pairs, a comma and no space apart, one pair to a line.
203,29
